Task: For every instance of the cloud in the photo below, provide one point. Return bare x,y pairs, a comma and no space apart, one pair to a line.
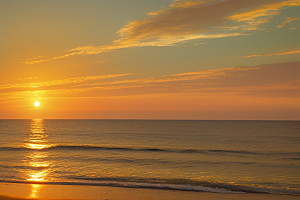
284,53
275,54
263,13
289,19
61,82
266,80
188,21
175,78
101,61
251,56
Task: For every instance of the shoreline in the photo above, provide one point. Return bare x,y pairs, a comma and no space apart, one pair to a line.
25,191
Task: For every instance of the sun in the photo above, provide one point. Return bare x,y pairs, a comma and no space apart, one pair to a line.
36,103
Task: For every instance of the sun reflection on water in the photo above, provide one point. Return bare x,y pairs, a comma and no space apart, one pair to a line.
37,146
34,190
39,166
37,138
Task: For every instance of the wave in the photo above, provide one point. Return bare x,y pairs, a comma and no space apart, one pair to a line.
188,151
24,167
91,147
181,187
176,184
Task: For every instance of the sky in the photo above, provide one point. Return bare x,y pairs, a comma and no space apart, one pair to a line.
142,59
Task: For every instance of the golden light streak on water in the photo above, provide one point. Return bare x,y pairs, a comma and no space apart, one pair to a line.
37,138
37,176
37,146
39,164
37,160
34,190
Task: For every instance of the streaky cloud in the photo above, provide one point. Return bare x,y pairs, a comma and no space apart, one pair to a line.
289,19
279,80
275,54
187,21
61,82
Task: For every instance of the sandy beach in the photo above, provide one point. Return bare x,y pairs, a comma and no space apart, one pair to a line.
16,191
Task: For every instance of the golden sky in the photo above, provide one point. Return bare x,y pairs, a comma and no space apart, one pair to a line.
158,59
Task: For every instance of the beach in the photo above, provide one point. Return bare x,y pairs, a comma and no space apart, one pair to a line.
17,191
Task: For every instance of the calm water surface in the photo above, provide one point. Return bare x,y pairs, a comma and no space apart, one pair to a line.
213,156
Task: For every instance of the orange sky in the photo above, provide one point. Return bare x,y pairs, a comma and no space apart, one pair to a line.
150,59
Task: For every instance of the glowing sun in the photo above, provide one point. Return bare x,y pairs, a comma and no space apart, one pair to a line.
36,103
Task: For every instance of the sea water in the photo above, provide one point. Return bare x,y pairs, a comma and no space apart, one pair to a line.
211,156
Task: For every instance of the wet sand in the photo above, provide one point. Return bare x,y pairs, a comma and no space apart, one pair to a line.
16,191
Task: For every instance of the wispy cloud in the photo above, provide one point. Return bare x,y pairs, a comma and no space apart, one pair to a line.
263,13
284,53
275,79
102,61
182,77
188,21
76,80
33,59
275,54
251,56
289,19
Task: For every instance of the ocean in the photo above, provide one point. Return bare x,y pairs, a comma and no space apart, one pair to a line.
204,156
